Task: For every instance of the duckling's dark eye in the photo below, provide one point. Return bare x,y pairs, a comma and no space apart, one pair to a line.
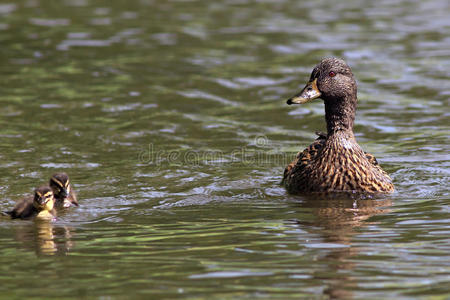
332,74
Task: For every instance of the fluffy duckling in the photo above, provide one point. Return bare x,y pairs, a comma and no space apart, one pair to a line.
334,161
40,206
64,194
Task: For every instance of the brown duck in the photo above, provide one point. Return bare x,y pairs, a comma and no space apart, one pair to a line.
40,206
64,194
334,161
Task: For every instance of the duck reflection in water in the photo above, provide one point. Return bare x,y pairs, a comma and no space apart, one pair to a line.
338,218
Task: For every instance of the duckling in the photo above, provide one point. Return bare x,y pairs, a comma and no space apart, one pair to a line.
40,206
334,161
64,194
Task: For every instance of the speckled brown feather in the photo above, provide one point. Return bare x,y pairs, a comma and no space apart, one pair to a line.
335,164
303,157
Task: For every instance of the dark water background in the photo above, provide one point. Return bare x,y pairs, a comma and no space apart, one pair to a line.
170,118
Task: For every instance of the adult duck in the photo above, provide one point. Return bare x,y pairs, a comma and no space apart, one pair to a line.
334,161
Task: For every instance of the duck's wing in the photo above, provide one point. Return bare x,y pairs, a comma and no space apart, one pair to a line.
304,157
371,158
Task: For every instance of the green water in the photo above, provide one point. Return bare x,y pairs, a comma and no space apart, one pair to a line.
170,118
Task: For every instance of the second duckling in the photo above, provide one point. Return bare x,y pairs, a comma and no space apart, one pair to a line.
64,194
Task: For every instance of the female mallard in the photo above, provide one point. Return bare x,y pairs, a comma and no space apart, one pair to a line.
64,194
40,206
335,161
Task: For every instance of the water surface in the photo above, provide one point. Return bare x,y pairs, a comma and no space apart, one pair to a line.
170,118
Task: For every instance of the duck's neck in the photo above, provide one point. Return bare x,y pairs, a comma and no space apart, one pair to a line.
340,114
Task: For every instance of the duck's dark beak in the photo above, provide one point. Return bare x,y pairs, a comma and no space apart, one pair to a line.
309,92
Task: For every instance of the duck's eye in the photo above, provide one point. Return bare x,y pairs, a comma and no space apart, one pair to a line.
332,74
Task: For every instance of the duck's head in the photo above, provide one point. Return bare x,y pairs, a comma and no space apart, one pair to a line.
331,80
43,198
60,185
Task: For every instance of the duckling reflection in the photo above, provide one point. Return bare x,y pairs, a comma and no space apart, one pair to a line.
44,237
337,221
64,194
45,241
40,206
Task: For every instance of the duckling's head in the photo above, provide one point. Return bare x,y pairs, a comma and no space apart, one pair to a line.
43,198
331,80
60,185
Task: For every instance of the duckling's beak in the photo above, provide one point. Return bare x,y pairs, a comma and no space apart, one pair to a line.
63,192
309,92
42,200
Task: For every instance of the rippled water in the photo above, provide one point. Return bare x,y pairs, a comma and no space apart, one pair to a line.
170,118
